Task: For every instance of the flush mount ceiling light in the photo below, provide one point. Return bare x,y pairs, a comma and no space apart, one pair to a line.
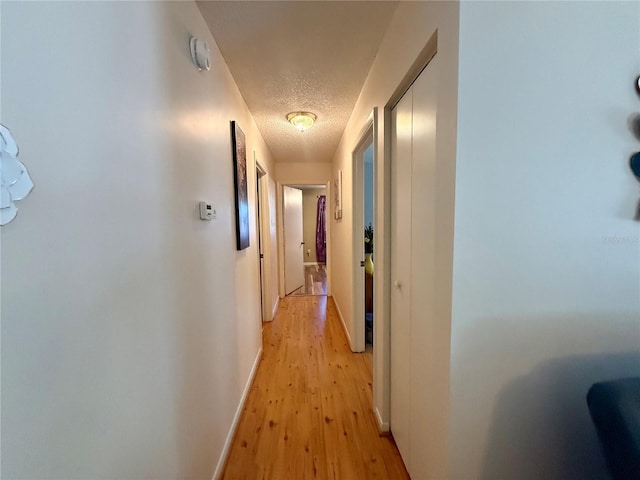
302,120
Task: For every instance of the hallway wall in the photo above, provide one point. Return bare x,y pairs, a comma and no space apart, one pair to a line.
298,172
129,326
547,255
413,25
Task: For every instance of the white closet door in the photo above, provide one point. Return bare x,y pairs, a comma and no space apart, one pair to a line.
423,196
413,189
400,420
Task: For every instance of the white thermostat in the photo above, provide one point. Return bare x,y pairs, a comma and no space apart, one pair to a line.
207,212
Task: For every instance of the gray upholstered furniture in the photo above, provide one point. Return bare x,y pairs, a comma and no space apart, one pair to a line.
615,410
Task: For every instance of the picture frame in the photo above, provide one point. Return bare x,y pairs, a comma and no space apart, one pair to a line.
239,149
338,196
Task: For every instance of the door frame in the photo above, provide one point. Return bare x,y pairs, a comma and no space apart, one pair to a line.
367,137
280,225
262,230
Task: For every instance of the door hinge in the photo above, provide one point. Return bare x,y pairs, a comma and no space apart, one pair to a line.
362,263
261,256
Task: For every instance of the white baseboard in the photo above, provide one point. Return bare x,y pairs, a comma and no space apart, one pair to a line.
344,325
382,426
236,418
275,308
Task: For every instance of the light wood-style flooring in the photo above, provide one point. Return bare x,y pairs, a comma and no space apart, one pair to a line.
309,412
315,281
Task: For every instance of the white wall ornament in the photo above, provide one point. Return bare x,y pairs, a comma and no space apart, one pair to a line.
16,182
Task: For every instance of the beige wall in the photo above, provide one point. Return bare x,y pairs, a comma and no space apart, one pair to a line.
310,214
314,173
413,24
130,327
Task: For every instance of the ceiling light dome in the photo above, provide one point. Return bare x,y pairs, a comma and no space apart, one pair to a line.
302,120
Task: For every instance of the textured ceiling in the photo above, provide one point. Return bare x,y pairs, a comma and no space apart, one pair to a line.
289,56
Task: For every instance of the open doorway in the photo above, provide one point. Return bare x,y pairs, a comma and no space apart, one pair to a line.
314,206
369,228
304,240
314,239
363,240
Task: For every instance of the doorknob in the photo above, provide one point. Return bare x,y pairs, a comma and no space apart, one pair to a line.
301,243
397,284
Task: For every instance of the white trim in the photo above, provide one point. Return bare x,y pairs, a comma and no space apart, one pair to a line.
312,263
344,325
275,308
280,235
263,215
382,425
366,139
236,418
327,265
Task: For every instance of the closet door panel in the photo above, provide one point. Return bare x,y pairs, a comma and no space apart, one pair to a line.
423,200
400,275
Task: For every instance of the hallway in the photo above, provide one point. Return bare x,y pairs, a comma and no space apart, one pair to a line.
309,412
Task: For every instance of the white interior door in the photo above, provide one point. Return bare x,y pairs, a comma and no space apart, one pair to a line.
413,214
293,239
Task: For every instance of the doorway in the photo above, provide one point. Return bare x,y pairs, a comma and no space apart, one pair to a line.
363,240
369,228
304,240
314,221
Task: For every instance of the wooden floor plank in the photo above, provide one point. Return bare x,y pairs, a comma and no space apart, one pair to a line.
309,411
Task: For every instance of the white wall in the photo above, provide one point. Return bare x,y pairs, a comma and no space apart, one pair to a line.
413,25
547,257
129,326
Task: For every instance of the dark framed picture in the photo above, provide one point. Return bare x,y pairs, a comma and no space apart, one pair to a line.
239,147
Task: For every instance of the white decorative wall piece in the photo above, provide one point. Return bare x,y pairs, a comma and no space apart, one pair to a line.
16,182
